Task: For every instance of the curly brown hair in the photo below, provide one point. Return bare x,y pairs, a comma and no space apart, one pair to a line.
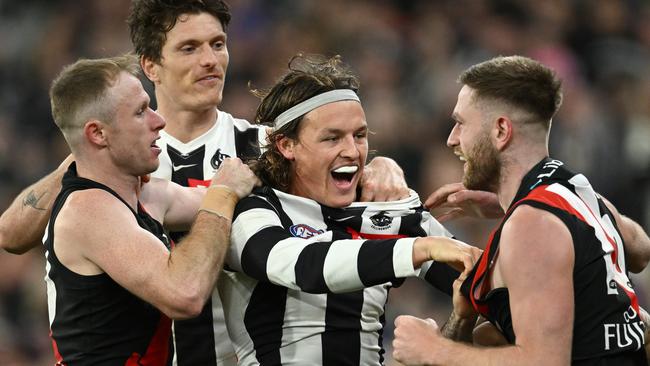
308,75
150,20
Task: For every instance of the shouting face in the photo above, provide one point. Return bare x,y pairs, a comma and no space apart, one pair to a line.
328,157
470,139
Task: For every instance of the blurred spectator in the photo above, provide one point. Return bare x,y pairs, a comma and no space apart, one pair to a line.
408,54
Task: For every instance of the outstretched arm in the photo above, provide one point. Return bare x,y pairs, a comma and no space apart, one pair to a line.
542,314
263,249
22,225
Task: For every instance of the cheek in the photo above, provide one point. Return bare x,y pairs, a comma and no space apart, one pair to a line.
225,60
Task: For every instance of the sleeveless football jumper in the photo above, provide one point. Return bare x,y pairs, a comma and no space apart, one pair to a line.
93,320
607,328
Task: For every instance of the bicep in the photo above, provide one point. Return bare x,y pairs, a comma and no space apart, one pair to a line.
184,206
172,204
536,261
108,235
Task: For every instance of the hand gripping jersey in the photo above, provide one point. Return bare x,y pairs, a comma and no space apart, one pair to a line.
93,320
307,284
203,341
607,329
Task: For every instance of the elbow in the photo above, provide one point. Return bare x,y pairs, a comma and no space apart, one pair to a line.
9,245
638,264
12,245
186,305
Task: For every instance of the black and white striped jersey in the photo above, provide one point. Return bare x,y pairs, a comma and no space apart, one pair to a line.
204,340
306,284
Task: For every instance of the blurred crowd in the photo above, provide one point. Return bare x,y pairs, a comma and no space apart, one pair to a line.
408,55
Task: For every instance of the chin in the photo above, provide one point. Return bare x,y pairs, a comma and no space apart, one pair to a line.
340,202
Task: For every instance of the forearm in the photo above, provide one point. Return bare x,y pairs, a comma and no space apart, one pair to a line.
459,329
23,224
461,354
195,263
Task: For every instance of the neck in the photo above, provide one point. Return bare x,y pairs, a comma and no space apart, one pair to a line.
514,168
186,125
125,185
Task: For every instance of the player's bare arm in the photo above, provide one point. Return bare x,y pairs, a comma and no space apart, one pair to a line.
23,223
97,233
541,293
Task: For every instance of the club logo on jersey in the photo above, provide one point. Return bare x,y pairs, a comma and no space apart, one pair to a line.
304,231
217,159
628,335
381,221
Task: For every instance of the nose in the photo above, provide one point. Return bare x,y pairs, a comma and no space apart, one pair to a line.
349,148
156,120
208,56
452,140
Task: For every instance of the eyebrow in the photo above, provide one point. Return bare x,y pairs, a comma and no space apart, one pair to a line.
456,117
192,40
339,130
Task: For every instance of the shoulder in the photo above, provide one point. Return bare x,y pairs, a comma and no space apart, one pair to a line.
535,234
261,197
239,123
93,202
92,211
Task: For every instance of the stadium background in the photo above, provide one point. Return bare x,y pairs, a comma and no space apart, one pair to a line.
408,55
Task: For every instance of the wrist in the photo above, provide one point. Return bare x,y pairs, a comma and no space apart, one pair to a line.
420,252
219,200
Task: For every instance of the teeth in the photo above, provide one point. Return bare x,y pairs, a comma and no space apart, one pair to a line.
346,169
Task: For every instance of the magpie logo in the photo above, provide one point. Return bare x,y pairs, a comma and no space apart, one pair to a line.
217,159
381,221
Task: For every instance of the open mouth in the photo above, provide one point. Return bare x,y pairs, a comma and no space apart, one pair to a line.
344,174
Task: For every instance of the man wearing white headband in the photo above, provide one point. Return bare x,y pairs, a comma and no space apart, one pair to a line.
309,271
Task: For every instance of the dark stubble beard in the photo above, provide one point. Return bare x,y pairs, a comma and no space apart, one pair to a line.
483,166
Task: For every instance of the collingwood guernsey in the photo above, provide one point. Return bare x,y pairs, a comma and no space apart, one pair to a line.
307,284
203,340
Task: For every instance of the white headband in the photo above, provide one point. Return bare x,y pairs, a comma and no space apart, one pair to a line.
312,103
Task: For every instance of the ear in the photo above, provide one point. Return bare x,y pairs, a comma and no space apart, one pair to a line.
502,132
286,147
95,133
150,69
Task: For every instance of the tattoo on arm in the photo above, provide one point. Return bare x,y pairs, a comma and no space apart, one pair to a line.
458,329
32,201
